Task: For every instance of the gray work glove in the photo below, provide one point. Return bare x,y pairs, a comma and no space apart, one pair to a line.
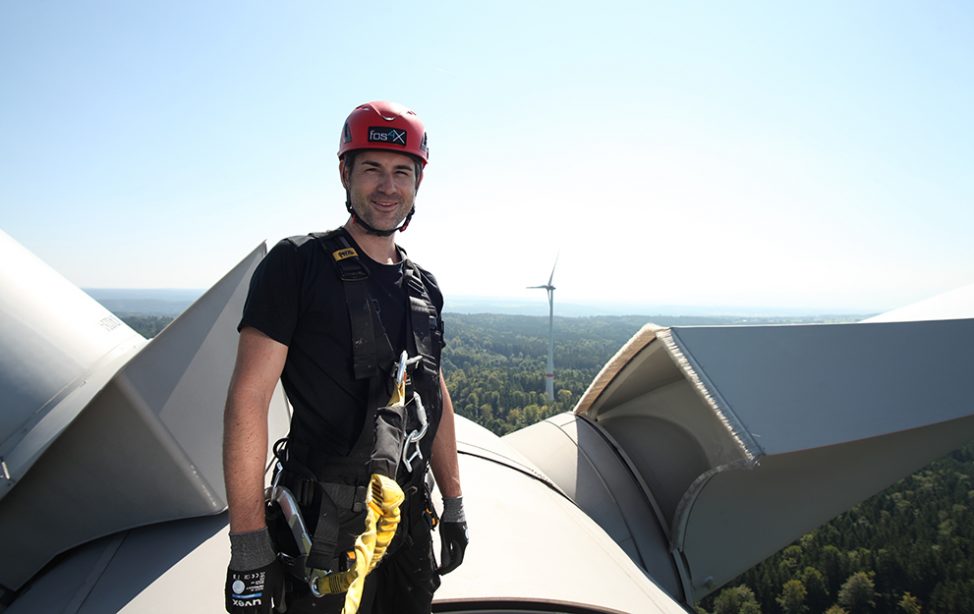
255,579
453,535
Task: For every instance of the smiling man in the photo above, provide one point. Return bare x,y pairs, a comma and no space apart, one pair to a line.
353,330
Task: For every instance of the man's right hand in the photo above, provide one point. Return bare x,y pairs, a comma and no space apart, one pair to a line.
255,578
258,591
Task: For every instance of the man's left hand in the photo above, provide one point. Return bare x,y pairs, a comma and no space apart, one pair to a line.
453,535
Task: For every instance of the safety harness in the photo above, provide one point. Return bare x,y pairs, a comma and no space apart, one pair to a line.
393,447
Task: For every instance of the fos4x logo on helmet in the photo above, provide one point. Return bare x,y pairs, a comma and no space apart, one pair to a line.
381,134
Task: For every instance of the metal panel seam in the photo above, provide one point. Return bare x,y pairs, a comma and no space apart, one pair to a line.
605,486
632,469
169,442
47,425
681,518
710,394
647,493
84,591
496,459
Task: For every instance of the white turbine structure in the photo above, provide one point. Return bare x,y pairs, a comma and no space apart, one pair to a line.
695,453
549,376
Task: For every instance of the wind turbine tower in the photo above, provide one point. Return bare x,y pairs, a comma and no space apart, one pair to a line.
549,376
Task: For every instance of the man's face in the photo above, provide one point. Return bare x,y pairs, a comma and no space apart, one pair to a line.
382,187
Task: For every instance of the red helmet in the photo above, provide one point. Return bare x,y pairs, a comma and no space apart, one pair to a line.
384,125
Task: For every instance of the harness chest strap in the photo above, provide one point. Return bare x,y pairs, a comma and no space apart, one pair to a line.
368,352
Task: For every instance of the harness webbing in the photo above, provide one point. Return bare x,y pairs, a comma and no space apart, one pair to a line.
423,316
328,538
341,513
368,352
366,345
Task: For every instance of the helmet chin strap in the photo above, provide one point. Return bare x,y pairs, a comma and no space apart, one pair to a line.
373,230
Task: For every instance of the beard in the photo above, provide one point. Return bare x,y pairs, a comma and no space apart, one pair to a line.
381,218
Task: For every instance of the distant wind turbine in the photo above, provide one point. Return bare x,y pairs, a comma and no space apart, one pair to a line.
549,376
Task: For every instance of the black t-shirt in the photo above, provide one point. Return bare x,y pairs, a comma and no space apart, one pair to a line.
297,298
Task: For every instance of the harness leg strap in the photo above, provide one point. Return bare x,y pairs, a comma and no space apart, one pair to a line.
341,518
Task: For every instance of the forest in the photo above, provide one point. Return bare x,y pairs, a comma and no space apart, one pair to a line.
908,549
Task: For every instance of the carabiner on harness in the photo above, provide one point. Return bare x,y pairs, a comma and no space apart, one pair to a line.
316,578
291,511
292,515
399,398
416,435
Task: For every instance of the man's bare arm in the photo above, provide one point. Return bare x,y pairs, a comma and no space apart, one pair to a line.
446,468
260,361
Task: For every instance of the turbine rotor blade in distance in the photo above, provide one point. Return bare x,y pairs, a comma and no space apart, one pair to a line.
553,267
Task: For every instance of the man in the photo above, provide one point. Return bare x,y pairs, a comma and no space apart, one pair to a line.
309,299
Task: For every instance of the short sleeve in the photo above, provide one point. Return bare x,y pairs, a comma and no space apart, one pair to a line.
273,301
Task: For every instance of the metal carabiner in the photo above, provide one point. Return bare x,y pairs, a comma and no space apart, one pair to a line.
398,397
299,531
271,494
292,515
416,436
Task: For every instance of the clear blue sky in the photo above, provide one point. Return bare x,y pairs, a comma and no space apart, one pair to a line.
800,155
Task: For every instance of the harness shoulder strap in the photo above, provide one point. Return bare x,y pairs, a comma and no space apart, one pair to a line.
423,319
370,344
